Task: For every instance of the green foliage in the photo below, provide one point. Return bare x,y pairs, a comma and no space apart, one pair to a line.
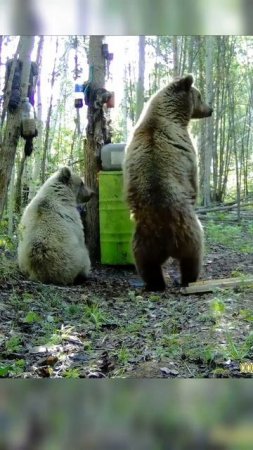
123,355
172,344
131,295
95,315
72,373
13,344
14,369
74,310
154,298
232,236
32,317
238,351
8,268
247,314
136,326
217,306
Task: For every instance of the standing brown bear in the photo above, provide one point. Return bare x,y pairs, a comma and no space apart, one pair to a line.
160,175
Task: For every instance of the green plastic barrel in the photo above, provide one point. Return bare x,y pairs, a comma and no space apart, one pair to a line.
116,228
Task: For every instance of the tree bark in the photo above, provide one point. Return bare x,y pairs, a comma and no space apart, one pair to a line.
93,148
12,130
18,190
175,56
8,83
140,82
48,120
39,141
209,125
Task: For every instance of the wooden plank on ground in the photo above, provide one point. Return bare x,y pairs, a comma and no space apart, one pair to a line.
201,287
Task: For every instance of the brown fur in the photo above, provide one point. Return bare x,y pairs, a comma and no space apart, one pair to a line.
160,174
51,247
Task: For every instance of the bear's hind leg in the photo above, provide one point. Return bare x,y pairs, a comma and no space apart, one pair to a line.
151,274
192,252
148,261
190,268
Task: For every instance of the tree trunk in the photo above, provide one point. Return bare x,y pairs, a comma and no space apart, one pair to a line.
131,93
8,83
209,125
1,98
11,202
12,130
175,56
48,120
124,107
93,148
18,190
202,123
39,141
140,82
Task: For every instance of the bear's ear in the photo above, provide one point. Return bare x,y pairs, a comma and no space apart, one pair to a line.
64,175
184,84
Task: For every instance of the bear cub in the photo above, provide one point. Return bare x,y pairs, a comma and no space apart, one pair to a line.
52,245
160,177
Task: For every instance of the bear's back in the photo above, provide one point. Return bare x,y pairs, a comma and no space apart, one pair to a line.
158,163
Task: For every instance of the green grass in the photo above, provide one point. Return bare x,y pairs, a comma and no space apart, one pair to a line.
231,236
72,373
8,268
123,355
238,351
247,315
217,306
14,369
13,344
32,317
95,315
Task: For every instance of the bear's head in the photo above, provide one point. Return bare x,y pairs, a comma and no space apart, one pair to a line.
191,97
82,192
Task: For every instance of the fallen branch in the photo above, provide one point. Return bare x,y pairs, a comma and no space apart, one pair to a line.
201,287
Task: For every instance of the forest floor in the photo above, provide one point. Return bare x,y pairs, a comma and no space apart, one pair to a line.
110,327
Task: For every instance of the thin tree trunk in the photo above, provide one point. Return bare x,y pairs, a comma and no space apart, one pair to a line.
11,202
175,56
18,191
209,125
130,93
76,73
39,141
1,98
48,120
12,131
140,82
191,42
156,77
202,124
124,107
235,151
216,108
183,52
